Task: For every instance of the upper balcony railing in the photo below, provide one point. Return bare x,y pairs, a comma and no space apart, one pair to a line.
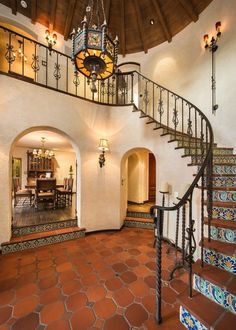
27,59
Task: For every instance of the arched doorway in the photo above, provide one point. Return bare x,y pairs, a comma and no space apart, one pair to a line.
138,180
45,179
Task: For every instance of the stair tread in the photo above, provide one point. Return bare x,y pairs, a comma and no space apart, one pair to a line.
222,247
226,322
224,204
139,219
42,235
229,224
215,275
202,308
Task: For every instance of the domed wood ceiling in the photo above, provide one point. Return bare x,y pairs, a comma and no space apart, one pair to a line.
129,19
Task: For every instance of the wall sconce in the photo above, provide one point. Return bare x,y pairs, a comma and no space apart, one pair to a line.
103,146
51,40
212,46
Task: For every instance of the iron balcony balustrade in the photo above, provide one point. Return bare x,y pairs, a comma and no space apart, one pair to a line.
26,59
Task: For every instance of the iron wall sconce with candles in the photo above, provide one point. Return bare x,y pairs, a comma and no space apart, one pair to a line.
212,46
51,40
103,146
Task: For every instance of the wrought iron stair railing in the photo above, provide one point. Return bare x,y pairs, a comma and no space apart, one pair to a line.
27,59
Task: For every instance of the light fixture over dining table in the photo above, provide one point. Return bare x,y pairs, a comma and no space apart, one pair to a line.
43,152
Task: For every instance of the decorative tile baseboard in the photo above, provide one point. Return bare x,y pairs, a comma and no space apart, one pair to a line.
138,224
198,152
189,321
224,213
223,234
217,159
224,169
26,230
220,260
30,244
224,196
134,214
215,293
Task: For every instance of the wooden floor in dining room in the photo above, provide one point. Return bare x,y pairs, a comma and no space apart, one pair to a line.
26,215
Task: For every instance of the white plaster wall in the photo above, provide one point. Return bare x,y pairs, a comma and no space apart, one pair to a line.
100,202
184,66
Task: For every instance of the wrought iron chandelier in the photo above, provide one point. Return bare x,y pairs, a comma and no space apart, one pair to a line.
43,153
94,54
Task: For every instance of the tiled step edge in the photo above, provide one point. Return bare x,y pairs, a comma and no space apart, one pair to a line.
199,312
222,230
19,231
32,241
144,223
137,214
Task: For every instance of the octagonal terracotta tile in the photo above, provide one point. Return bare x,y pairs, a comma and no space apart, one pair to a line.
136,315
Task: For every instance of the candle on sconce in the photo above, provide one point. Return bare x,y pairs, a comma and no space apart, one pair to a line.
164,188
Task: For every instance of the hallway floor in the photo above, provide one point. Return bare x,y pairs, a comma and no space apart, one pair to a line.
140,207
103,281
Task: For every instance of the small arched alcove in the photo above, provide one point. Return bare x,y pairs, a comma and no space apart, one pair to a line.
44,156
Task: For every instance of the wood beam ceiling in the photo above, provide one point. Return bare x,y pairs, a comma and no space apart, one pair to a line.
122,23
69,18
140,26
33,11
53,8
13,5
162,20
188,7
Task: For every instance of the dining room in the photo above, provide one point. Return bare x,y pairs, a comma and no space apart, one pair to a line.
44,180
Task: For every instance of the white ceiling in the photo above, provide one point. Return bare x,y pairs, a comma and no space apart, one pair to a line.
53,141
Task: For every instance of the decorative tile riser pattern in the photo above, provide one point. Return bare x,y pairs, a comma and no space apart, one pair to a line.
215,293
14,247
220,260
216,159
223,234
138,224
224,213
219,181
216,152
21,231
138,215
223,169
224,196
189,321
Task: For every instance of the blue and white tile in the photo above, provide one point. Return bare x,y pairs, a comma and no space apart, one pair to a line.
220,260
189,321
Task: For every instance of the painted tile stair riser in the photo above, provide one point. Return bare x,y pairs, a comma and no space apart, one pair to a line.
135,214
224,196
189,321
198,151
223,181
193,145
215,293
222,159
224,213
223,169
138,224
220,260
223,234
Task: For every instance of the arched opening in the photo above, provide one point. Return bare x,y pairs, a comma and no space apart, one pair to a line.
44,178
138,180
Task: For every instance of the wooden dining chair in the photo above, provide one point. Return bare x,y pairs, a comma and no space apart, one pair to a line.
19,193
45,192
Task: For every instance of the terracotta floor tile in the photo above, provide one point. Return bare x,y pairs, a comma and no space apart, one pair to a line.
29,322
132,262
83,319
178,286
67,276
106,274
168,295
123,297
119,267
59,325
50,295
27,269
25,306
139,288
76,301
48,282
105,308
117,322
142,271
71,287
27,260
151,265
128,277
52,312
136,315
113,284
89,280
149,303
6,297
45,264
26,290
95,293
134,252
7,284
64,267
150,281
5,314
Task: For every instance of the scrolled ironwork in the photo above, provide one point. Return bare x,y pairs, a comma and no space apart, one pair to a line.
10,56
35,63
57,71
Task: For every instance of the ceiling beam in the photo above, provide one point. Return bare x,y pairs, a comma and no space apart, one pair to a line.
33,11
140,25
13,5
53,8
69,18
107,10
188,7
162,20
122,24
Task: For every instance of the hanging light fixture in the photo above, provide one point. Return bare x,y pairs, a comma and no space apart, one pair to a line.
94,54
43,153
